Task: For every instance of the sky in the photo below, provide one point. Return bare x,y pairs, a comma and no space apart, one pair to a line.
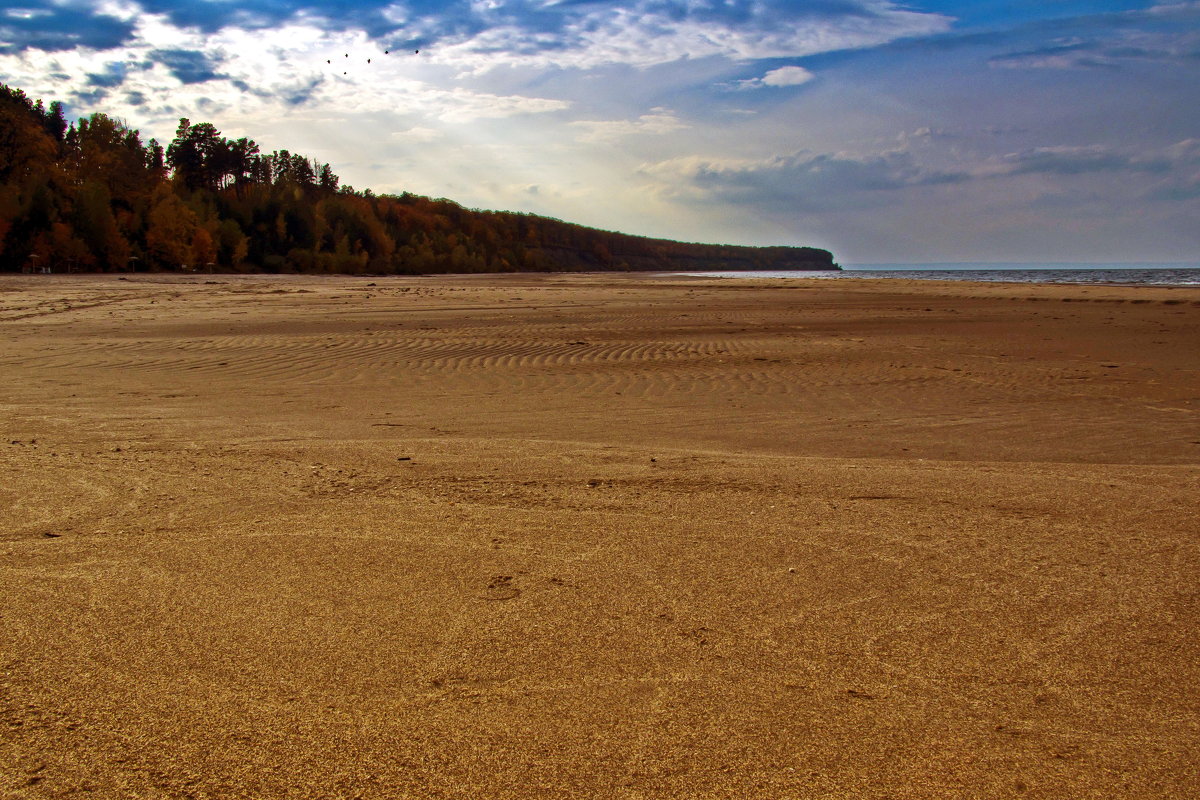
923,131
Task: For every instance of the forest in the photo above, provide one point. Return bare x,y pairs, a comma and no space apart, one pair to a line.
91,196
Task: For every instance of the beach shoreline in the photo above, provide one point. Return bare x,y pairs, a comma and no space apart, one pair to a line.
597,535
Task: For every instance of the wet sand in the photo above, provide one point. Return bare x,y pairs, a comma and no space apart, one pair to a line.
597,537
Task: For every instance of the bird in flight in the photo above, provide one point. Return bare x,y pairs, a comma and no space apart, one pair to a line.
385,52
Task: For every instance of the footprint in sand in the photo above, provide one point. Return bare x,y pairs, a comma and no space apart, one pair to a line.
500,587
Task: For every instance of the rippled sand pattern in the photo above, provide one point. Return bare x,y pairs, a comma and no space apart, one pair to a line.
597,536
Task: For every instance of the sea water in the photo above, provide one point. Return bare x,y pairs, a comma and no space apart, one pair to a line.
1135,274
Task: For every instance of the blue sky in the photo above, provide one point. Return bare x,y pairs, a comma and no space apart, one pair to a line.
1057,130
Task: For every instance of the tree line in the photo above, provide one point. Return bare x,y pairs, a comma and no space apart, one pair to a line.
92,196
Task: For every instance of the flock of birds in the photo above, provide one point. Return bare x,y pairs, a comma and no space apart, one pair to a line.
385,52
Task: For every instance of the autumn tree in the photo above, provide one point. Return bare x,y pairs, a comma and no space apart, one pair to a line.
94,195
27,148
171,230
97,227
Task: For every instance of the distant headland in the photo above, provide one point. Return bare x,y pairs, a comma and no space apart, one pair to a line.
92,197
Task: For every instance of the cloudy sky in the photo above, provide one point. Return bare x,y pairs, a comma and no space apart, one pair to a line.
930,130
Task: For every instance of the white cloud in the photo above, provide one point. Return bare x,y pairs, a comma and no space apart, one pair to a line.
1173,8
397,14
262,77
787,76
776,78
658,122
26,13
641,36
463,105
416,134
119,9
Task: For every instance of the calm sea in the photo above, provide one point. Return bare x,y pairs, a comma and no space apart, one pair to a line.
1138,274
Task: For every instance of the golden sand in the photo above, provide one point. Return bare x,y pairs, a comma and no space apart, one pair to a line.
597,537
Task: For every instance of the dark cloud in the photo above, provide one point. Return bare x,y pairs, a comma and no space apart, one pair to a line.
47,26
189,66
821,182
299,95
113,76
88,98
368,15
211,17
52,26
290,95
817,182
1071,161
1095,159
1176,191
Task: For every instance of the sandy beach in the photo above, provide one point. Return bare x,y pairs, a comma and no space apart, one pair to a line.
607,536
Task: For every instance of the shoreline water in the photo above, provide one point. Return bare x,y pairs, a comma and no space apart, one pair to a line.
1142,275
1020,265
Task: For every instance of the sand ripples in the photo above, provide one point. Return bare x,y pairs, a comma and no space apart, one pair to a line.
817,371
382,358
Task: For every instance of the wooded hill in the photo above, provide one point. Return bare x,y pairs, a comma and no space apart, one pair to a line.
91,196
